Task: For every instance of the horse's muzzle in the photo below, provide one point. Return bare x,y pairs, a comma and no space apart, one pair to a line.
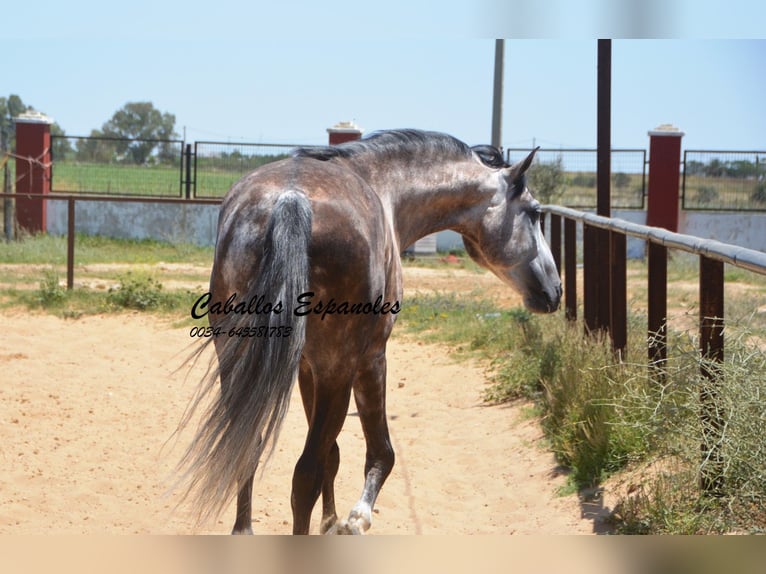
545,301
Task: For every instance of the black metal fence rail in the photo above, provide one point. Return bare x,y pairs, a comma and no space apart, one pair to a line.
609,289
576,183
724,180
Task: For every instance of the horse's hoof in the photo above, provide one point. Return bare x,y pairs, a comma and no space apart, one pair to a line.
328,524
344,527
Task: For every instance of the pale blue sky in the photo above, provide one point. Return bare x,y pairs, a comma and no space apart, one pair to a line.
233,71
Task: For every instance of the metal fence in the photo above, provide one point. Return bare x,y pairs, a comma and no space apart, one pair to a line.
604,297
116,166
711,180
724,180
568,176
218,165
154,168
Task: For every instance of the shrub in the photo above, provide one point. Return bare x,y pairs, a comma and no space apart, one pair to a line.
706,194
51,293
136,292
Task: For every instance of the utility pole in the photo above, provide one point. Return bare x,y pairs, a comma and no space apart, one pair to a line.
497,101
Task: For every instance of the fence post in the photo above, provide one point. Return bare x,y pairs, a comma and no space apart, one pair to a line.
658,305
187,161
344,132
618,298
33,169
70,224
711,349
664,174
555,241
570,268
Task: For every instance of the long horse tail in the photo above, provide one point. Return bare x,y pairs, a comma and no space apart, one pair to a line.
257,374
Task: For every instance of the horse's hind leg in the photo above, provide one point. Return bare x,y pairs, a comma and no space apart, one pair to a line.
317,465
244,521
330,467
370,396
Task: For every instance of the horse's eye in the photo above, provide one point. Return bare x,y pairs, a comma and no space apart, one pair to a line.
534,214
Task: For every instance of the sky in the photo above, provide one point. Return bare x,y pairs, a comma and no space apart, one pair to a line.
241,72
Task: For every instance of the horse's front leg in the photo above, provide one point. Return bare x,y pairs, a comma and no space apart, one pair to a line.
370,397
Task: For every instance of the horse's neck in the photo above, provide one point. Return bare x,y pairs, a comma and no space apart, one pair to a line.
419,204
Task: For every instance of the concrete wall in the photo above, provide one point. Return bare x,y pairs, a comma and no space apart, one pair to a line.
177,223
197,224
744,229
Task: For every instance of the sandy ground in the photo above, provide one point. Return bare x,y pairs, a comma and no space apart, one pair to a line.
88,409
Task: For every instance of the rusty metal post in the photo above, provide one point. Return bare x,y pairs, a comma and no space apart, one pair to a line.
657,296
590,273
570,270
70,244
601,312
711,349
555,241
618,298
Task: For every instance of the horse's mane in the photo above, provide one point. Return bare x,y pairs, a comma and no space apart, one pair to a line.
409,141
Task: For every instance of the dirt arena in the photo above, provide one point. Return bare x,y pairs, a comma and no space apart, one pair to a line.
89,408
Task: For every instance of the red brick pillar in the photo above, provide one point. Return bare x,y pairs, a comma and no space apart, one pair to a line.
33,169
664,175
344,132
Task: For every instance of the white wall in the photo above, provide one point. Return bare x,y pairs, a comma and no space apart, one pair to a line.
179,223
190,223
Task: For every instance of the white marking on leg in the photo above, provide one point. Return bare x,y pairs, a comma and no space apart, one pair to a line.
361,516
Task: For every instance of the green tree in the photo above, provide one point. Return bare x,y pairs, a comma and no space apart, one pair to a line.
12,107
546,180
96,149
140,122
621,180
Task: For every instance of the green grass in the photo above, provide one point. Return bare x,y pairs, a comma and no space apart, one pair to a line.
133,276
214,177
724,193
52,250
132,291
116,179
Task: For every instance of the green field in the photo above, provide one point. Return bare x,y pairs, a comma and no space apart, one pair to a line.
214,178
116,179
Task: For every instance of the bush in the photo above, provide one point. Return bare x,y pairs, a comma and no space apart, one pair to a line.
51,293
759,195
706,194
136,292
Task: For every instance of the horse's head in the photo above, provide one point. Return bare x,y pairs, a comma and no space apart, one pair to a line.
509,239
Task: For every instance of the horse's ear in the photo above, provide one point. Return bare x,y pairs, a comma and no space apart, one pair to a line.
519,168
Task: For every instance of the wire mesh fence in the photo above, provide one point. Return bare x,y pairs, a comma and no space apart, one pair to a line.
218,165
724,180
116,166
568,176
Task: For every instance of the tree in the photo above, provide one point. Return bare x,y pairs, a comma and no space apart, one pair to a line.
547,180
140,122
621,180
12,107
